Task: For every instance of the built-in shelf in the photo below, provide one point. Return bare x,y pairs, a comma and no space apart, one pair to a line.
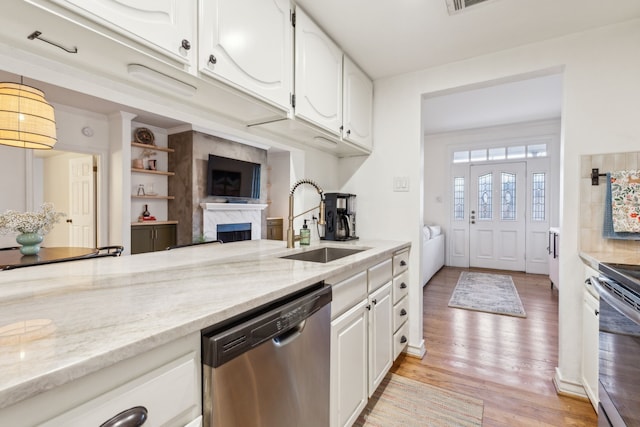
135,196
152,147
152,172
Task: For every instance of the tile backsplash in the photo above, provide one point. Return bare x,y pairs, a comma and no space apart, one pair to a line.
592,202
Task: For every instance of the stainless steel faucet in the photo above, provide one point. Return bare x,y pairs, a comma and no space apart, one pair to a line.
291,236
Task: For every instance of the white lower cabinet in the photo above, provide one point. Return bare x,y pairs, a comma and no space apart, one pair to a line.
590,337
349,373
362,346
165,381
380,336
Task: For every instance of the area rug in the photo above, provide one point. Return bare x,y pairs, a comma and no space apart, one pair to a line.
402,402
493,293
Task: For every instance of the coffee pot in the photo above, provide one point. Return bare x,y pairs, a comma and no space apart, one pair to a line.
340,216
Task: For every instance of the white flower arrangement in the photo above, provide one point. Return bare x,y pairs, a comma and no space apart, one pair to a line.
30,222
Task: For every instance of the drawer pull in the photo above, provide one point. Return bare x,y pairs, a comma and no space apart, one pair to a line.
403,263
403,339
403,312
132,417
403,285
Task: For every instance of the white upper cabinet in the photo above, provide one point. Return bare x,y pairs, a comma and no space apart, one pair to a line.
318,70
166,26
357,105
249,45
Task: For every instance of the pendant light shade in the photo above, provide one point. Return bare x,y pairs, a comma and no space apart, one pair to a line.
27,120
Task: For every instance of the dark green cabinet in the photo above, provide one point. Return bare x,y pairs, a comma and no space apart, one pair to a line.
149,238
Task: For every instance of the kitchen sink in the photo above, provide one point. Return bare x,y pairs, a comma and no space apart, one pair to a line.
323,255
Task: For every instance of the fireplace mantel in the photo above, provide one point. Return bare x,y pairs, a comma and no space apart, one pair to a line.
232,206
214,214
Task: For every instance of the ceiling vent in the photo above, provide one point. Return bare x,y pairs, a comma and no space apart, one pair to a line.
457,6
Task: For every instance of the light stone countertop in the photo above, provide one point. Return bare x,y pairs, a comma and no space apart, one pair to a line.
592,259
62,321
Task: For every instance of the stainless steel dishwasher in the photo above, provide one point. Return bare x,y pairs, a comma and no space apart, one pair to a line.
270,367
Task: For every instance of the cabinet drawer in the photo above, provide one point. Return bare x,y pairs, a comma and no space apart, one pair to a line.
169,393
400,262
348,293
400,339
379,274
400,286
400,313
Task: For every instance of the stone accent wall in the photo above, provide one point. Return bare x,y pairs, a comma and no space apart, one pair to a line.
189,185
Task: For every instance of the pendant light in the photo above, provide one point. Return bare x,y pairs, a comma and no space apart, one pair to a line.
27,120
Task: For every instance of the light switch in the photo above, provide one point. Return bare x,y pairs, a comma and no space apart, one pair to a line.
400,183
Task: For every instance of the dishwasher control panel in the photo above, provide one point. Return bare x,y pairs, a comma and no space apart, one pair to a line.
277,323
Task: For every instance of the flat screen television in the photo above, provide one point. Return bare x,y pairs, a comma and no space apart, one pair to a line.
232,178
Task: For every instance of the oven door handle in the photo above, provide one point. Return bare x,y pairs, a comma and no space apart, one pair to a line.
614,302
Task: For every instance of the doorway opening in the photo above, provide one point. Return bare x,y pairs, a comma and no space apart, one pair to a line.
69,181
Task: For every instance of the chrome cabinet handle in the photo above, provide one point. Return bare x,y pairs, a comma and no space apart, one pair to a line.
403,312
185,44
375,301
368,307
132,417
403,339
403,285
403,263
213,60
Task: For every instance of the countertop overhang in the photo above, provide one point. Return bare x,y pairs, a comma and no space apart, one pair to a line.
64,321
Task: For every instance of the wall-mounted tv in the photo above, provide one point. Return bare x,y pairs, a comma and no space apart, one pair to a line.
232,178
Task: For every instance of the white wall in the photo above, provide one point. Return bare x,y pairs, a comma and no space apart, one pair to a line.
600,114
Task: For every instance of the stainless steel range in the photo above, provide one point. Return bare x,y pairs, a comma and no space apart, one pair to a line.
619,345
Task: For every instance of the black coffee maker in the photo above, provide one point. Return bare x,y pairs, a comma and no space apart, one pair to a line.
340,216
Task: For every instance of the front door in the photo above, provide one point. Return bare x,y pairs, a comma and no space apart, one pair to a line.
497,216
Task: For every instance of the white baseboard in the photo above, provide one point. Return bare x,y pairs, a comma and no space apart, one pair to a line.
416,350
567,387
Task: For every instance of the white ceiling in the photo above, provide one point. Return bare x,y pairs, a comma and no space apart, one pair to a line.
389,37
533,99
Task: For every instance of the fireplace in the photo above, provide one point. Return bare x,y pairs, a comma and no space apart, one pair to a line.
234,221
234,232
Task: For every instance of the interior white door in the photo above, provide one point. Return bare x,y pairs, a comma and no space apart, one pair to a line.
82,228
497,216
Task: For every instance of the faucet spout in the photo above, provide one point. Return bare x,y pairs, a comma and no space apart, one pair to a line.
291,237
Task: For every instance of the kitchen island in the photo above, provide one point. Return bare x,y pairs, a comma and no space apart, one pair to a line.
61,322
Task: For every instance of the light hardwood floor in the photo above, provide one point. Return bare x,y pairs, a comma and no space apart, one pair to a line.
508,362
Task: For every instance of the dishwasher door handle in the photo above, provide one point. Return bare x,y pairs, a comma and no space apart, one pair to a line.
288,337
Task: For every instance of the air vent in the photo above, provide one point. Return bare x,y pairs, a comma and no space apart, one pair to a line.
457,6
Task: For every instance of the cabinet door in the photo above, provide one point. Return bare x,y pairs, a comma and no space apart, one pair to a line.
590,331
141,239
348,367
357,105
249,44
318,75
165,236
380,336
162,25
